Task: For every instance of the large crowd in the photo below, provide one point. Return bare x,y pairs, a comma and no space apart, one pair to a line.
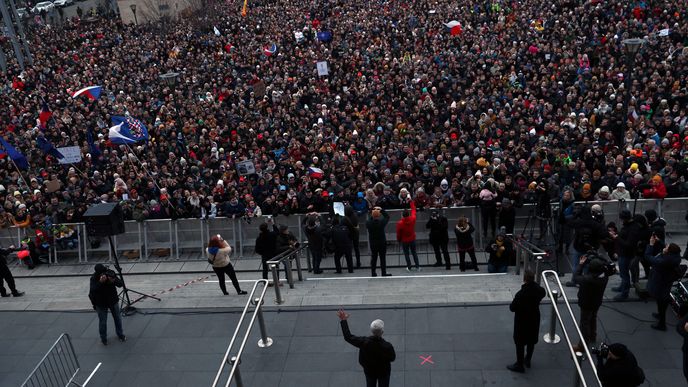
523,92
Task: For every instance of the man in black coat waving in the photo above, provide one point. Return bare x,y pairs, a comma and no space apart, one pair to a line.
375,354
526,306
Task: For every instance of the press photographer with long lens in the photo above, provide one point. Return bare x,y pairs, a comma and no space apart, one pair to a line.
617,366
103,295
587,236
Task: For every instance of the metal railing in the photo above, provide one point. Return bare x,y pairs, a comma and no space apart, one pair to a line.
577,356
264,342
528,255
189,236
58,367
286,258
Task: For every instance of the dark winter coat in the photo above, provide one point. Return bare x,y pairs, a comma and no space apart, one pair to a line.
266,243
628,239
341,237
526,306
375,354
503,259
316,240
376,230
591,288
588,234
104,294
439,227
662,274
464,240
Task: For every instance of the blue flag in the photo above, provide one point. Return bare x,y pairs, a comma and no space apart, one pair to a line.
127,130
324,36
48,148
93,148
14,154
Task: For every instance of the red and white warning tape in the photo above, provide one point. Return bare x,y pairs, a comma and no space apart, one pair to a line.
174,287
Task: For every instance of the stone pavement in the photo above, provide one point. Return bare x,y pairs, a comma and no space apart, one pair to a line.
468,346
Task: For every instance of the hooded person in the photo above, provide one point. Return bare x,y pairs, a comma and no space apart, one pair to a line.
619,368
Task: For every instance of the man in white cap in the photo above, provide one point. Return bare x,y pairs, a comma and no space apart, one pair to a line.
375,354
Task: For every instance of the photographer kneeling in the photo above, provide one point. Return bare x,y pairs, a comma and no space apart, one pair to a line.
617,367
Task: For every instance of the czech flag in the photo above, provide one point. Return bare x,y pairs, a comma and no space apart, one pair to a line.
454,27
92,92
44,115
316,173
269,50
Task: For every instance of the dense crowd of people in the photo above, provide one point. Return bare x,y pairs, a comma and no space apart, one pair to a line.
523,93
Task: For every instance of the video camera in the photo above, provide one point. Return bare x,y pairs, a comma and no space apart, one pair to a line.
598,264
602,351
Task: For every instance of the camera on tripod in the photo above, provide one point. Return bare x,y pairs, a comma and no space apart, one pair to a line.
602,351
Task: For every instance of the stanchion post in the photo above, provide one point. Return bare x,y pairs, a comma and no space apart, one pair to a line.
265,341
551,337
538,261
237,374
297,259
287,269
576,376
275,281
308,259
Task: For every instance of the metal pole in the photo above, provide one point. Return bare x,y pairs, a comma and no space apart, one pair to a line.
237,374
265,341
287,269
551,337
10,33
538,260
297,259
275,281
517,248
576,377
176,239
308,260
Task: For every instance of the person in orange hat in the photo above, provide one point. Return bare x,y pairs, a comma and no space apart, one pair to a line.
657,189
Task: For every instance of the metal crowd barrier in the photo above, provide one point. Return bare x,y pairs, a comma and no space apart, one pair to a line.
264,342
59,367
528,255
286,258
188,237
551,338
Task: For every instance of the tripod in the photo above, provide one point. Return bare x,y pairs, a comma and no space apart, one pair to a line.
547,239
125,303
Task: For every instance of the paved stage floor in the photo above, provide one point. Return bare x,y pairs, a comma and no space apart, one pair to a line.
468,345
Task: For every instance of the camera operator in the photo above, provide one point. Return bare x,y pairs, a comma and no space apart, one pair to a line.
617,367
316,240
587,237
6,275
103,296
543,207
439,238
627,241
592,275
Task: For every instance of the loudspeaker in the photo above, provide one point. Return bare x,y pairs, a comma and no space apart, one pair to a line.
104,219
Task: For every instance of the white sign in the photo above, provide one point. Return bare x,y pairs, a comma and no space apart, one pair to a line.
246,168
322,69
338,208
72,154
298,35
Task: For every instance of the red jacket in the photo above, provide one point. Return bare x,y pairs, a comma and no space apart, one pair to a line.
406,227
656,192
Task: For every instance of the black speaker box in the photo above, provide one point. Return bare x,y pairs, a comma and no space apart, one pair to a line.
104,219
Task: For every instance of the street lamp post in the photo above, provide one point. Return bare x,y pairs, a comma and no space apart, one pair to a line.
631,47
171,80
133,10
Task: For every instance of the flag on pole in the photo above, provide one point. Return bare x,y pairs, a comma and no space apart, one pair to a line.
92,92
48,148
132,128
316,173
119,134
44,115
454,27
16,156
324,36
217,32
269,50
244,9
93,148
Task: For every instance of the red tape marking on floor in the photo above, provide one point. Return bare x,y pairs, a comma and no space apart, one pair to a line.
426,359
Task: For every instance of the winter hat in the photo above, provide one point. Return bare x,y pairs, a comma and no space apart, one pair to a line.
604,189
444,182
100,268
657,179
621,185
651,215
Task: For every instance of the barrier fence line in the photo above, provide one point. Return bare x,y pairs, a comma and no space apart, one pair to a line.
187,283
164,239
58,367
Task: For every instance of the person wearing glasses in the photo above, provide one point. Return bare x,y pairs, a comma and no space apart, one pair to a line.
218,252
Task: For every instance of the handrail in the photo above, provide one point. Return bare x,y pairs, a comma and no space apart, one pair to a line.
264,342
521,246
286,257
576,355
